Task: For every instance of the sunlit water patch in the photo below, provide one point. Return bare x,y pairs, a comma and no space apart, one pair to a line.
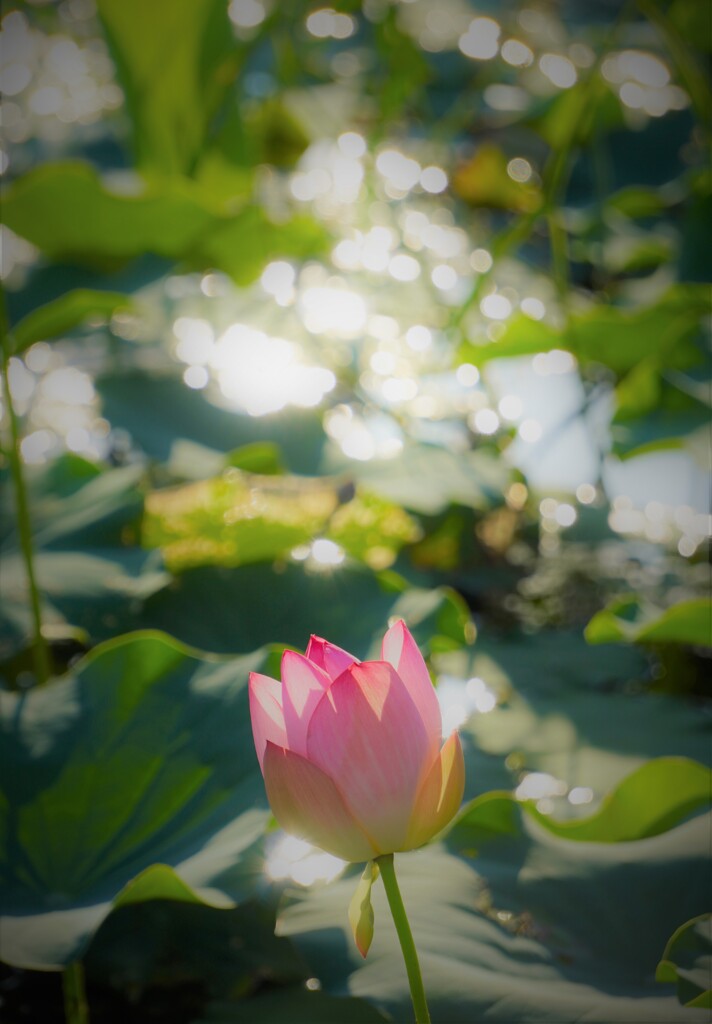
289,857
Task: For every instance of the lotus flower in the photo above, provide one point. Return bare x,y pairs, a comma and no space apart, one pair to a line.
352,752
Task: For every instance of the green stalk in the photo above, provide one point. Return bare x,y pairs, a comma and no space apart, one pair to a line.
685,61
405,937
76,1009
40,653
555,178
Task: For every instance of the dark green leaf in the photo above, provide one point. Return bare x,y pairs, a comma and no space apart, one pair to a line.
235,610
66,313
160,411
142,753
90,572
165,941
298,1006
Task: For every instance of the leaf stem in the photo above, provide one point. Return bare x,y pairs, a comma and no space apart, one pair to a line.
40,652
76,1009
405,937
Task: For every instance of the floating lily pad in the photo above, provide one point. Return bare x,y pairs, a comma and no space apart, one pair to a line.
141,754
236,610
535,928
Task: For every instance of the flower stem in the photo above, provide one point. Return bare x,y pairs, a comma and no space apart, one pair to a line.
76,1010
40,653
405,937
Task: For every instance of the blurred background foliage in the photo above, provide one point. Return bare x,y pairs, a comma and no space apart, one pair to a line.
318,317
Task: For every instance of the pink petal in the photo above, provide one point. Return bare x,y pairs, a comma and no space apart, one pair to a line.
401,651
266,713
368,736
332,659
303,686
307,804
440,795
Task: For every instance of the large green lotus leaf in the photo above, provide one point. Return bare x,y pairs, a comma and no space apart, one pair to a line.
175,72
534,929
90,573
565,709
83,594
230,954
651,800
158,412
235,610
166,940
142,753
238,518
427,479
68,212
72,498
668,424
243,244
65,314
627,621
619,338
687,960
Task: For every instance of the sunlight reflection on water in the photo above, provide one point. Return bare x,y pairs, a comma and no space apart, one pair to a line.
294,858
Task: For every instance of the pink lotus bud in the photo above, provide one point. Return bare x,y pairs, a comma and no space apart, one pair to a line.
351,751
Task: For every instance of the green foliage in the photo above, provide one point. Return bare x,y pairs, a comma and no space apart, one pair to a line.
521,931
650,801
70,214
140,755
66,313
483,181
687,960
91,571
67,212
615,337
235,610
239,518
175,72
134,829
235,519
629,621
427,479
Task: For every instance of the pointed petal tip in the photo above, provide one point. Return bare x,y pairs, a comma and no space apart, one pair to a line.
440,795
287,656
275,747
